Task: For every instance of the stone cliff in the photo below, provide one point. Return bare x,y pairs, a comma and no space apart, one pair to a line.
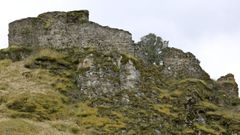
67,29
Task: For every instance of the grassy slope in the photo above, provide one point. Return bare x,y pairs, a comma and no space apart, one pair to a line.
36,96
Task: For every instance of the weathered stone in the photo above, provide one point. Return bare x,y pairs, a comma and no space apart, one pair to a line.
228,85
129,77
86,63
68,29
175,64
98,80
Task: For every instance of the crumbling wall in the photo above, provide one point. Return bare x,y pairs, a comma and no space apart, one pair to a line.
68,29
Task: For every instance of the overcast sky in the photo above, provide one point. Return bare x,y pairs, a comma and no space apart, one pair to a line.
208,28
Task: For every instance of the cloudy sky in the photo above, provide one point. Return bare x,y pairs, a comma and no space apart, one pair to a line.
208,28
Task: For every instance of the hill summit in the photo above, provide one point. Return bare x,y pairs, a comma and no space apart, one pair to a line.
63,74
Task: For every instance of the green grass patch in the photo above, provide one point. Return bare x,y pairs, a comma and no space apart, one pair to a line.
207,105
37,106
18,127
5,63
165,109
47,58
206,129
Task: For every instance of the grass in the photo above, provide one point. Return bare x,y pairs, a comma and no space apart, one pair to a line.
226,114
16,79
188,131
13,48
15,53
15,75
4,63
90,117
216,126
168,94
37,95
207,105
46,55
69,127
83,110
193,80
51,54
4,86
38,106
18,127
223,116
206,129
165,109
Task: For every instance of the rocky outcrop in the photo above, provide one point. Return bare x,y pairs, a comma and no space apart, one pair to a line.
106,75
68,29
228,85
175,64
129,77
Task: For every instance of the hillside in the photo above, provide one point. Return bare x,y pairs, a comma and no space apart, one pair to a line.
63,74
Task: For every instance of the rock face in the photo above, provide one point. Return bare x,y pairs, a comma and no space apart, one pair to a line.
67,29
106,75
173,63
129,77
176,64
228,85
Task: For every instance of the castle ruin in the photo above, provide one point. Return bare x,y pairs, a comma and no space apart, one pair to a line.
68,29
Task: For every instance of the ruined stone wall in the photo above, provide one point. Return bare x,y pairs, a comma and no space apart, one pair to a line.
68,29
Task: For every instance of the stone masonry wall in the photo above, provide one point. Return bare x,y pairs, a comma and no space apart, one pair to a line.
68,29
